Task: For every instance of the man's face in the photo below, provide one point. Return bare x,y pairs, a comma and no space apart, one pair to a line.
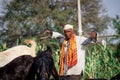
68,33
93,35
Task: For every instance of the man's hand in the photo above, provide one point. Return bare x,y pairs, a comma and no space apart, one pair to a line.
47,31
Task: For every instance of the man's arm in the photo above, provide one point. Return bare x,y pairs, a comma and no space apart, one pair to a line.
57,35
87,41
54,34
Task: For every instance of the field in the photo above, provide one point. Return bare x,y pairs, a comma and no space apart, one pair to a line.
101,61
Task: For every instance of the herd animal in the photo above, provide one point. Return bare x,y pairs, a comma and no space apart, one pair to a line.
43,66
11,53
21,63
17,69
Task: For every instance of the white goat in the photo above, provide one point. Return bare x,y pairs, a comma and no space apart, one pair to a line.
10,54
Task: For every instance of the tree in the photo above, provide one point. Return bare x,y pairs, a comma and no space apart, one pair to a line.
30,17
116,25
93,15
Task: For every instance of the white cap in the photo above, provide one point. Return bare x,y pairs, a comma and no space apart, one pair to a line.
68,26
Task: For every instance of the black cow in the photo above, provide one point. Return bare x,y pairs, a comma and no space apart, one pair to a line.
28,68
17,69
43,66
116,77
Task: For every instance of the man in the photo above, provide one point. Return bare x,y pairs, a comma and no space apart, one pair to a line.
94,39
72,57
91,39
93,36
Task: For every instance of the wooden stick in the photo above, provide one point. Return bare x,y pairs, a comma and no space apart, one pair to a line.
108,36
44,37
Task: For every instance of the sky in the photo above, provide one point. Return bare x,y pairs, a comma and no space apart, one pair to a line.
112,7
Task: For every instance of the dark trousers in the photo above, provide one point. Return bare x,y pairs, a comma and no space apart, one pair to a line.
75,77
71,77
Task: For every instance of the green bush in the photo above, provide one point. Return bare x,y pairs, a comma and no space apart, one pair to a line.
100,62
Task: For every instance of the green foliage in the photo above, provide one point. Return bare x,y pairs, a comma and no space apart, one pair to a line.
2,47
101,62
116,24
29,18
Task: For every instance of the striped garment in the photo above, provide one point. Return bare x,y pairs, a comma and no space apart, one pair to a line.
71,55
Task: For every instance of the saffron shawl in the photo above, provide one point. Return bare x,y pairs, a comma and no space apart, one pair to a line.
71,54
